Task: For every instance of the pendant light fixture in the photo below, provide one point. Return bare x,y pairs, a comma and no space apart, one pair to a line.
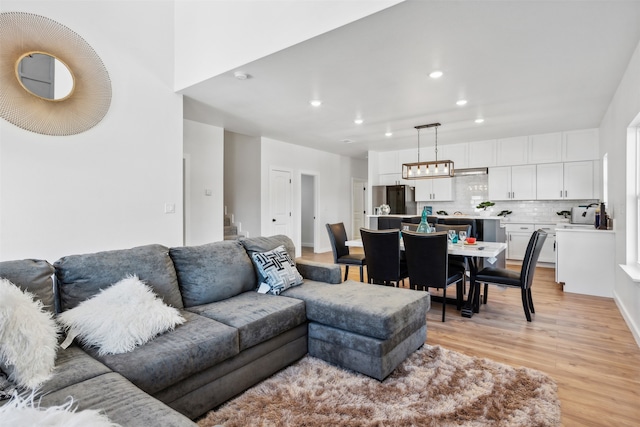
430,169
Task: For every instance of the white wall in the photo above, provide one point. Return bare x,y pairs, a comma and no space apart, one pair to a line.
624,107
334,174
242,180
213,37
105,188
204,155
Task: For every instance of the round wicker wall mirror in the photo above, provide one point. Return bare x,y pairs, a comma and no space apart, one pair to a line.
51,81
45,76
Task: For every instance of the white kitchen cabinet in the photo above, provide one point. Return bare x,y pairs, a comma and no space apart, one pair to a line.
545,148
580,145
512,151
548,252
518,236
512,183
565,181
389,178
388,162
578,180
482,154
458,153
435,189
550,181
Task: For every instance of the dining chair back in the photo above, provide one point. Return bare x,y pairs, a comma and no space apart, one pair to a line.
341,253
457,262
457,228
408,226
463,221
522,279
382,250
428,264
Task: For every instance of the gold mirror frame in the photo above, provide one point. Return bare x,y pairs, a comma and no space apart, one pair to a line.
73,78
90,99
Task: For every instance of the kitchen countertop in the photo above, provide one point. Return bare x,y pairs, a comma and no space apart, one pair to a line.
439,216
582,230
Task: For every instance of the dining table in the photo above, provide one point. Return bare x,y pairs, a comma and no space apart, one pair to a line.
475,254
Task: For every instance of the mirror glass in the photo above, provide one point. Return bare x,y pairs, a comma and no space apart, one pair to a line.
45,76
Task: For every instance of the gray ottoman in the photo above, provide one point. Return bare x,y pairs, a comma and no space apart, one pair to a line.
367,328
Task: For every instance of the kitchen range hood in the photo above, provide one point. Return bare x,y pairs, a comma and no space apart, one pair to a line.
472,171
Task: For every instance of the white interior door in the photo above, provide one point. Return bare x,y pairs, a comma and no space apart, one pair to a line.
280,202
359,203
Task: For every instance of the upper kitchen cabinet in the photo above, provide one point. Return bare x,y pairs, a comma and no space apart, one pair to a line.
388,162
512,183
565,181
458,153
435,189
390,179
482,154
546,148
580,145
512,151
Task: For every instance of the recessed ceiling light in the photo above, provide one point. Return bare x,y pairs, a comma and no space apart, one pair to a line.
461,102
241,75
347,141
315,102
388,134
358,121
435,74
479,120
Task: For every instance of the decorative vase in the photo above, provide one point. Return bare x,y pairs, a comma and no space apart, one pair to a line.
424,227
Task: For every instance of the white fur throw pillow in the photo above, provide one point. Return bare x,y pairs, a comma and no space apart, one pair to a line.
28,337
120,317
24,412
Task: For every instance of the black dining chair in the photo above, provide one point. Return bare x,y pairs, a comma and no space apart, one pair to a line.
341,253
463,221
409,226
427,257
385,265
457,262
522,279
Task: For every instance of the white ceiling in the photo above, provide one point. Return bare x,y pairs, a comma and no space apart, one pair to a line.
526,67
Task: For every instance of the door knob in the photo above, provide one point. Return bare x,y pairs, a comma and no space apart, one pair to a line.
273,220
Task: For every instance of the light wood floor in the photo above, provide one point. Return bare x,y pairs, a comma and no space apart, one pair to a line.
581,341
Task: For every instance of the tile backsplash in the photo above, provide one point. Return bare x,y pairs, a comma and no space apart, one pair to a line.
471,190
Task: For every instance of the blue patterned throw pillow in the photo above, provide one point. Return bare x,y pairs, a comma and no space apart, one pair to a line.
278,269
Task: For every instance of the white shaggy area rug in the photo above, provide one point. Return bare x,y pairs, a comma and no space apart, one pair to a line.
433,387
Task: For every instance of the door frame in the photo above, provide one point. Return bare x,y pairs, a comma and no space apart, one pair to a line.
365,195
315,177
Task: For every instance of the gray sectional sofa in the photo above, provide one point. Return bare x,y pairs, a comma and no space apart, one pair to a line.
233,336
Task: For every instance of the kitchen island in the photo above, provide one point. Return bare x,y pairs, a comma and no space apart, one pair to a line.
585,260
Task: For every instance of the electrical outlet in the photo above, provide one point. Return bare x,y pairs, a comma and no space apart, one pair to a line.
169,208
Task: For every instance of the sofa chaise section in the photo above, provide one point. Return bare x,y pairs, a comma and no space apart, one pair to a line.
366,328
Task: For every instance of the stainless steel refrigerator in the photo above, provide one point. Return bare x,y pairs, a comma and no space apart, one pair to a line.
400,198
